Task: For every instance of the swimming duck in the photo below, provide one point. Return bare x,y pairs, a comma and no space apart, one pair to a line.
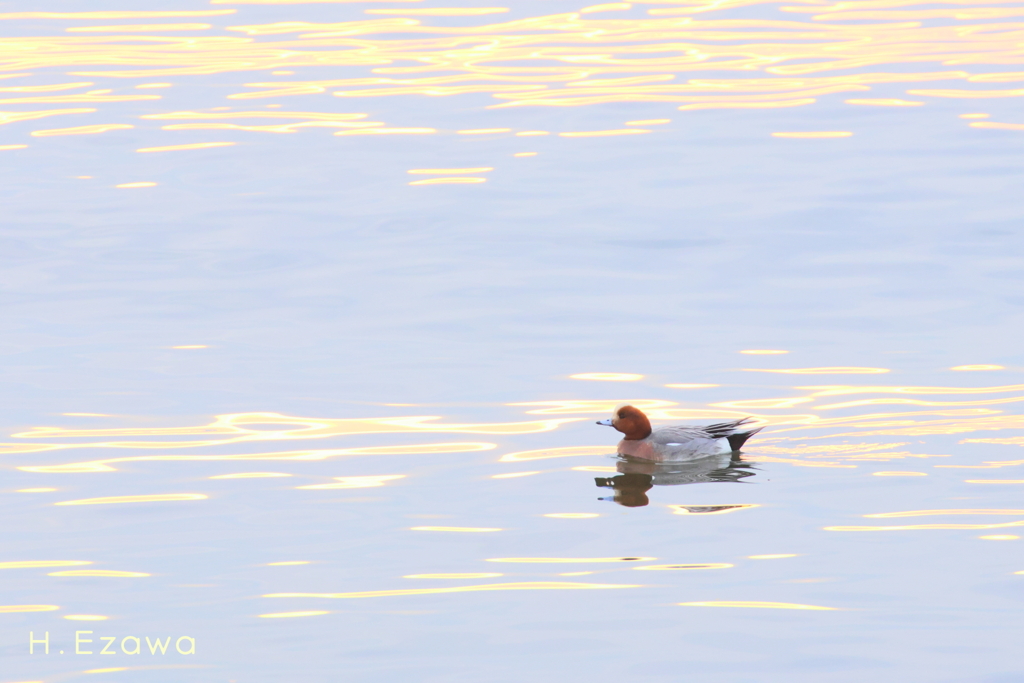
675,443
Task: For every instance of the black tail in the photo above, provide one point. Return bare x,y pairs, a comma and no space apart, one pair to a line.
736,441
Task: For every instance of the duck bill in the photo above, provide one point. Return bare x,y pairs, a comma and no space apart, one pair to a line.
605,423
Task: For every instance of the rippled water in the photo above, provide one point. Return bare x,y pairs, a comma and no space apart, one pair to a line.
310,306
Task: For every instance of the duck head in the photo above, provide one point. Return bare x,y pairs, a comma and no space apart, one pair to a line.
631,422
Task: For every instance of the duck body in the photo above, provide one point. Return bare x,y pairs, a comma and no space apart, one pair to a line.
677,442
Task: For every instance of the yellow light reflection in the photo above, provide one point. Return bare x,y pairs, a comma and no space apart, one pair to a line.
999,537
483,131
648,122
672,567
460,529
191,346
128,186
193,145
758,605
930,513
10,609
771,557
969,368
471,575
289,615
513,475
594,468
31,564
608,376
152,498
525,154
86,617
81,130
525,586
107,670
99,572
40,490
564,560
355,482
974,116
160,14
139,28
449,171
815,134
572,515
287,564
6,147
441,11
994,481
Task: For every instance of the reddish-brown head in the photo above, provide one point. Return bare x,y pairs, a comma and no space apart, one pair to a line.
631,422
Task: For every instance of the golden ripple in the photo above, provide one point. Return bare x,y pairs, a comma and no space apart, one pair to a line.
41,490
513,475
6,147
974,116
999,537
969,368
535,585
9,609
81,130
287,564
594,468
916,527
525,154
137,28
30,564
759,605
160,14
607,377
994,481
355,482
193,145
151,498
86,617
564,560
929,513
99,572
130,186
441,11
573,406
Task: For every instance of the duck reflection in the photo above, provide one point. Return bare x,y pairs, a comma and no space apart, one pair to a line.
640,476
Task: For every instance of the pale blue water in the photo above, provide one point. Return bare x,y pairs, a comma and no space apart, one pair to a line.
324,287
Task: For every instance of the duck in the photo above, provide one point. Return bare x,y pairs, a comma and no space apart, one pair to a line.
678,442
